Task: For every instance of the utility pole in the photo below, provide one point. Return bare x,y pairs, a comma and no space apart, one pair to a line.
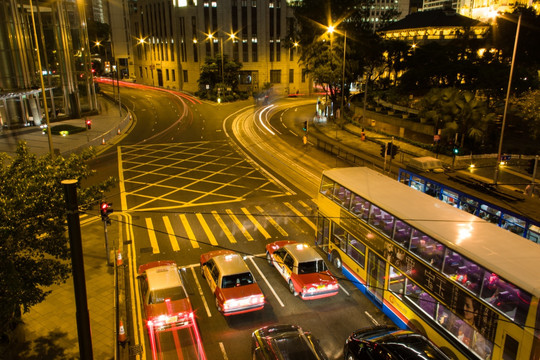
77,264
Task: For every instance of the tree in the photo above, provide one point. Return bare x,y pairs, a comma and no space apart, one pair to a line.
457,112
211,75
33,240
527,108
322,52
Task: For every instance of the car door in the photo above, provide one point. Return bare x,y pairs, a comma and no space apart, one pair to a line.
278,256
288,266
210,271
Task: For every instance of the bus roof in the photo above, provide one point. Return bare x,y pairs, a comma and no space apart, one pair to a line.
510,256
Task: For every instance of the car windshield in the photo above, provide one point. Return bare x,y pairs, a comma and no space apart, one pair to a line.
314,266
296,347
230,281
174,293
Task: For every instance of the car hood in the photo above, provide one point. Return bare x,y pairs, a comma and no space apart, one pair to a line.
324,277
241,291
174,307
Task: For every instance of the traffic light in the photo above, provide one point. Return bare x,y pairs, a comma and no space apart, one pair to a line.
105,209
392,150
305,126
88,124
455,150
383,150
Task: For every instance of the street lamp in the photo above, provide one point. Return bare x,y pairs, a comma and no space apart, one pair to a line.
496,177
98,44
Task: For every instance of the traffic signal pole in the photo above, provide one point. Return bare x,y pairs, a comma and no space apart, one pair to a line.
77,264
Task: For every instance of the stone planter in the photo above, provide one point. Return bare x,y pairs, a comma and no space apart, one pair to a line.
390,112
378,108
405,116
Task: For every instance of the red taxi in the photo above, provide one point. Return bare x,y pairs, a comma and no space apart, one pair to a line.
167,307
232,283
303,268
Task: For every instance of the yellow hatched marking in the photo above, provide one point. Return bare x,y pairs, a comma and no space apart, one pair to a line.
207,230
257,224
273,222
240,225
300,215
170,232
224,227
152,235
190,234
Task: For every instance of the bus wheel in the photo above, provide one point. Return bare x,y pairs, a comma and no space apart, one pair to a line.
291,288
269,258
336,260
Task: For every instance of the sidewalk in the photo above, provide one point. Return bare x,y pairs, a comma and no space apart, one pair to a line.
49,329
105,127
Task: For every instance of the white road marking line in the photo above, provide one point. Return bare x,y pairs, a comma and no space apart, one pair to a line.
375,322
222,347
201,292
266,281
345,291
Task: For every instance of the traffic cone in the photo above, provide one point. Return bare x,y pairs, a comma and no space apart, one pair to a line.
121,332
102,141
119,260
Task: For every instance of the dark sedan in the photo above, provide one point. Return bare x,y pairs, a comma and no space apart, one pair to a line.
390,342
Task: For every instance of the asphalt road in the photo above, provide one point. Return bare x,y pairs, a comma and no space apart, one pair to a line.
185,187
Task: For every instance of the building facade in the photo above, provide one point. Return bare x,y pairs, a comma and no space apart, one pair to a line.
171,40
62,58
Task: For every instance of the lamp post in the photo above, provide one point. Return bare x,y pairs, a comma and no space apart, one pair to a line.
330,30
496,177
343,74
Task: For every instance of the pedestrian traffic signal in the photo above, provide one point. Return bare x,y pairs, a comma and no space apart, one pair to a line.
383,150
305,126
105,209
88,124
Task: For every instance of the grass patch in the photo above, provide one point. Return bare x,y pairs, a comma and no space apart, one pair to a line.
55,130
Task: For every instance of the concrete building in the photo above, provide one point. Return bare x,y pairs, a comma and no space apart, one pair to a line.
171,41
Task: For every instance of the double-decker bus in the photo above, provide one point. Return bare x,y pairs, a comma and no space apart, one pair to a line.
467,284
520,215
